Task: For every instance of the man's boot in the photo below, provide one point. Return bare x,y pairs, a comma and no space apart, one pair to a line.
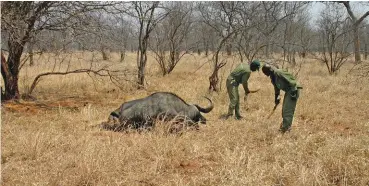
238,115
229,114
284,129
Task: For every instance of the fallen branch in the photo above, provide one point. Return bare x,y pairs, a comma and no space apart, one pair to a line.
102,72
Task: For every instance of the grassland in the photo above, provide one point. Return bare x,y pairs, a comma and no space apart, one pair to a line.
54,141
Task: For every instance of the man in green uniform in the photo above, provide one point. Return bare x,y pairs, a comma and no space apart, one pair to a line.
240,75
283,80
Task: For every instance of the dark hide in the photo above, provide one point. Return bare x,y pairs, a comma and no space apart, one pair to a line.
142,113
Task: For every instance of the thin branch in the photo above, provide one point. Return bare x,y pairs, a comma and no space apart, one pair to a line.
103,72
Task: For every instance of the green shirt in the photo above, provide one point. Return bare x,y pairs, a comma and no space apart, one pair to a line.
283,80
241,75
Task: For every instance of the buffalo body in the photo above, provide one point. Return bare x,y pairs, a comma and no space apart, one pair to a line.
161,105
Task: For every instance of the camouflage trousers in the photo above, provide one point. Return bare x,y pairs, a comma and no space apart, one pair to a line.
288,110
234,97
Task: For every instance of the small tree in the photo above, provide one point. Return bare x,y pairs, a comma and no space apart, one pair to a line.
171,35
221,17
18,20
334,33
144,13
355,24
22,21
364,38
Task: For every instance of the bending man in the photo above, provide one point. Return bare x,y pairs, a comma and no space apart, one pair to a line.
282,80
240,75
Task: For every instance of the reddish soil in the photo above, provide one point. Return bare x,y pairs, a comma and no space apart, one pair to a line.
34,107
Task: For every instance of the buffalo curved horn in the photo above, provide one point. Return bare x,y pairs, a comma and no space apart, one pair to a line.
207,109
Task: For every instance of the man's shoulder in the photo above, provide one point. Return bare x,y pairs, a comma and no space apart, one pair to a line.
246,66
242,67
282,72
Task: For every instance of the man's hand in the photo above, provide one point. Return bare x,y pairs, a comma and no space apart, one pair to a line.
277,99
234,83
293,95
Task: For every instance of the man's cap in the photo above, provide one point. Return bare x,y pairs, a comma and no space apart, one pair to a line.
255,63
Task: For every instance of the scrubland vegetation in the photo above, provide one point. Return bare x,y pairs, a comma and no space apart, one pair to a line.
54,140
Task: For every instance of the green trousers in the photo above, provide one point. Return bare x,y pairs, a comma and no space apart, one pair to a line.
288,110
234,97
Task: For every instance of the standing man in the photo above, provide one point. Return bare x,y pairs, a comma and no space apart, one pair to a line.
240,75
283,80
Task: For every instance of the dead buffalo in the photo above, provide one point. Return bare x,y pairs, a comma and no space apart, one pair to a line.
166,106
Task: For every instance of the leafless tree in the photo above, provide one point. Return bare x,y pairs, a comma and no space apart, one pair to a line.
264,27
273,24
335,39
102,33
202,36
171,34
22,21
248,39
305,34
293,30
366,40
123,36
270,17
221,17
356,21
148,15
18,21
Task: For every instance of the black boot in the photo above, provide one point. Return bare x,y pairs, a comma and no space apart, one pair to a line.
239,117
229,114
237,110
283,130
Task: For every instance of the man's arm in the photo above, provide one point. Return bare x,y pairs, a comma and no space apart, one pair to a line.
244,79
277,91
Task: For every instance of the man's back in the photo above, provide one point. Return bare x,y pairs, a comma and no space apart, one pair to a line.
241,70
285,80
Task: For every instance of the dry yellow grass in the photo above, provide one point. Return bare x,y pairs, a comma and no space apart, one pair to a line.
54,141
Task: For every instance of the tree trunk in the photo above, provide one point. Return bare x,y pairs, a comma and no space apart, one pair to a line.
294,58
10,70
104,53
141,71
122,55
172,58
356,24
267,48
229,49
357,43
30,52
213,80
366,52
206,49
177,56
198,50
31,63
141,75
3,63
142,59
